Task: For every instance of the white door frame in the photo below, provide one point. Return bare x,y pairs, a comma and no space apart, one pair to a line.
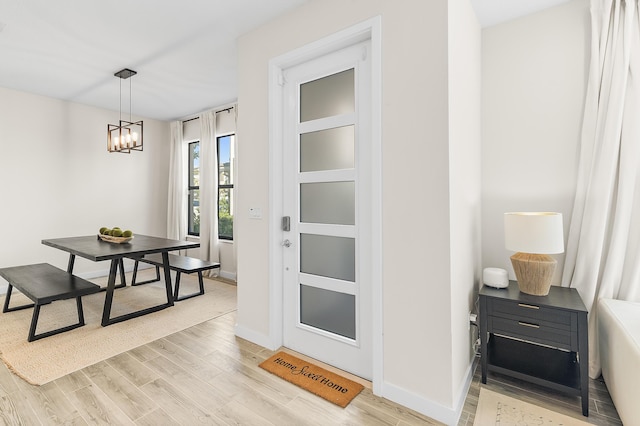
370,29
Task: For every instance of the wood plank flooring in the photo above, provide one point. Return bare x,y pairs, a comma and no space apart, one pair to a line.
207,375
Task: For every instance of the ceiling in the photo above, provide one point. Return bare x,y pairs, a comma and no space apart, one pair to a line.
183,51
492,12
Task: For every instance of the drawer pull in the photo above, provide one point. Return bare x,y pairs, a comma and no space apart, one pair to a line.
524,305
526,324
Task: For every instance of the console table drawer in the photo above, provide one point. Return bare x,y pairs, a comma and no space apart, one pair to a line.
534,332
530,311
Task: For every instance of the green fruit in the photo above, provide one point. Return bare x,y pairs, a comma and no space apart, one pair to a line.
116,233
107,232
115,227
104,228
127,233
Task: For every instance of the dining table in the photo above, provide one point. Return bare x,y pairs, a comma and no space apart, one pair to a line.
93,248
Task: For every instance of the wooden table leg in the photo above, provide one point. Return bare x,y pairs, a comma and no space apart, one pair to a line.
72,261
108,299
167,277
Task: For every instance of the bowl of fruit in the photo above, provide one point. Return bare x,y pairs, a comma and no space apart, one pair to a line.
115,235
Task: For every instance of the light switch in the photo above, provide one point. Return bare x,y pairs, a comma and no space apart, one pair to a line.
255,213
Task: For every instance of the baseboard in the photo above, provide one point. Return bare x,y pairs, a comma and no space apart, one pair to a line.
465,386
105,272
257,338
94,274
418,403
129,268
228,275
441,413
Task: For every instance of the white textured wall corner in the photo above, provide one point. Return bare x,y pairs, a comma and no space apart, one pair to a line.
465,175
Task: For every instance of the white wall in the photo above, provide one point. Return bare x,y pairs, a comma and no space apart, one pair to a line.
534,73
417,273
57,179
465,184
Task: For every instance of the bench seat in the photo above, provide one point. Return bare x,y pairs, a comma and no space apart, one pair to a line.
180,264
42,284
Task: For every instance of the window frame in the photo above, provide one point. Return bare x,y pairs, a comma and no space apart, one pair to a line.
190,171
229,186
225,186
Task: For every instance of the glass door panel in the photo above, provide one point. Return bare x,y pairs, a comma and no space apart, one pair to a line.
328,96
328,202
327,256
330,149
328,310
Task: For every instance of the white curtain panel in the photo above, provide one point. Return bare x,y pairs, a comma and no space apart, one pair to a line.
176,208
209,244
603,249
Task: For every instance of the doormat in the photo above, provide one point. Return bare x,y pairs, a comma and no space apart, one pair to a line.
317,380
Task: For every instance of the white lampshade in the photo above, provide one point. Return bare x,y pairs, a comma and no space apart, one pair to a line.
534,232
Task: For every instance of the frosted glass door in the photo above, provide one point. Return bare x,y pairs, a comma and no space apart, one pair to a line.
327,302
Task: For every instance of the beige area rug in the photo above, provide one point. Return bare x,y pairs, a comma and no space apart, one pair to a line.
326,384
47,359
500,410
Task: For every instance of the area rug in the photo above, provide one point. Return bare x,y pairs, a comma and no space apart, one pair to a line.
501,410
47,359
315,379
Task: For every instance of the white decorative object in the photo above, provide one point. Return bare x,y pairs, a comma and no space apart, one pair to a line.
495,277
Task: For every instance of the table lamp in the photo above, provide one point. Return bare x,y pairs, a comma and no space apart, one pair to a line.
534,235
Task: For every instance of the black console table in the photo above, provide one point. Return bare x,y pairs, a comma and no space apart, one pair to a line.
540,339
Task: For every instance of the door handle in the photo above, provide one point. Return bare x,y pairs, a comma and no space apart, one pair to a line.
286,243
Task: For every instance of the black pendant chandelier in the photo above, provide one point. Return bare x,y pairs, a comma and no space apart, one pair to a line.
127,135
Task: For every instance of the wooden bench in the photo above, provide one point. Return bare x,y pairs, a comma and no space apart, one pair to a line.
43,284
177,263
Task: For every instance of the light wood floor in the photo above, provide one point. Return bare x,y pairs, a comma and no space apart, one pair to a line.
207,375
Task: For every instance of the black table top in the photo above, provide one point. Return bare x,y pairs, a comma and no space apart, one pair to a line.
558,297
92,248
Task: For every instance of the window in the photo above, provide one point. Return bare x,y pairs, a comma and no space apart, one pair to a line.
194,189
225,187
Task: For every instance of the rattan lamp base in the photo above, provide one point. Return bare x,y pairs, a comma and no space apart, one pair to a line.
534,272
